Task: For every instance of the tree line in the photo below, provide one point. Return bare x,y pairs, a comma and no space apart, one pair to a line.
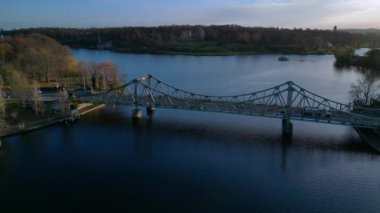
345,56
206,39
29,62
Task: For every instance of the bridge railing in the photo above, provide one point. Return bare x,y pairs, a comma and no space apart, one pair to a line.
338,106
285,99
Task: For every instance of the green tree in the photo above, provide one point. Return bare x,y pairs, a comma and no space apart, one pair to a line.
343,55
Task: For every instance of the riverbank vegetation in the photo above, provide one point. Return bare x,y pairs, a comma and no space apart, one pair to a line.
366,91
206,40
30,62
34,57
345,57
33,63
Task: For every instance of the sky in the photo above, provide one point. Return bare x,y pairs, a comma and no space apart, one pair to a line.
321,14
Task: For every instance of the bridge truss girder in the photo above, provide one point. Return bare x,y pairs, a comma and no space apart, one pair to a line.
287,100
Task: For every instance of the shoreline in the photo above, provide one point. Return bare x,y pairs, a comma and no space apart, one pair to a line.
232,53
92,107
82,111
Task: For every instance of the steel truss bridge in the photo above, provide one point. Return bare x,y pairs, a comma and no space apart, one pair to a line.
285,101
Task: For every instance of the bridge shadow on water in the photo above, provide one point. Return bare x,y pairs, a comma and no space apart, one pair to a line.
227,131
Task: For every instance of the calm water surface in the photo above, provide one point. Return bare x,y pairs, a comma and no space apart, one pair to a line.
196,161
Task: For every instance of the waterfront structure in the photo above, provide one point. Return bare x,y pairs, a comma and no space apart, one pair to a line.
287,101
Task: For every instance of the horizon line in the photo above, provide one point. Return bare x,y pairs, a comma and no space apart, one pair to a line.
181,25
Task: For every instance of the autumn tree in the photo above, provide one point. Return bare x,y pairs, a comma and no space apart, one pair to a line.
3,51
48,55
103,75
230,37
53,60
109,73
37,56
19,86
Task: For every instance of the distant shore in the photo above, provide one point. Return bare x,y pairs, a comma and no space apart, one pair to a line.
198,40
16,130
226,53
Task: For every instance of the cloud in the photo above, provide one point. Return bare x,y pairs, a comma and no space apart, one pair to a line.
298,13
275,13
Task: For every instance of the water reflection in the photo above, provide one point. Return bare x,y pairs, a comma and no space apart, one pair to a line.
232,158
284,156
182,161
224,127
360,70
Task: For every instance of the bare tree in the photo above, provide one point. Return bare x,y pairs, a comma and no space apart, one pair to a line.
93,70
36,97
20,86
83,73
64,101
2,100
110,74
364,89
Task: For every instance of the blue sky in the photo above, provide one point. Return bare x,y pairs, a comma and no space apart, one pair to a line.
267,13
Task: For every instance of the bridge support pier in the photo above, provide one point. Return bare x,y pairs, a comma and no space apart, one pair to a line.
136,114
150,110
287,128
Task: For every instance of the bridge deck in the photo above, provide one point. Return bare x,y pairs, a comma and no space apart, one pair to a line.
287,100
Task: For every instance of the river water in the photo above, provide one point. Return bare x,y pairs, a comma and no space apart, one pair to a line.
197,161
